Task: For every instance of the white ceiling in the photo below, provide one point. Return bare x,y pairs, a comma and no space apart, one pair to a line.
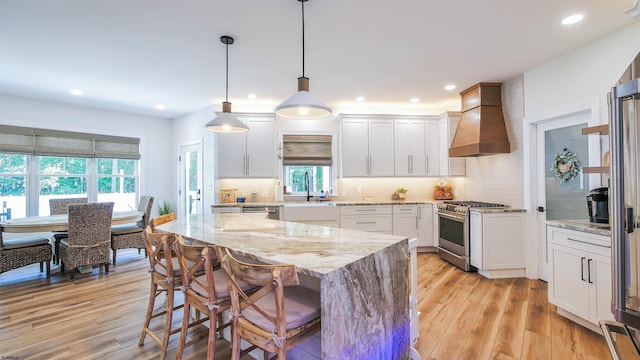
128,55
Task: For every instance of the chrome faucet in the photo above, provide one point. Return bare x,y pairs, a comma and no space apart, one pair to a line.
306,181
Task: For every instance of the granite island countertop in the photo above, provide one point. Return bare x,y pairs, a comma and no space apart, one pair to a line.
364,287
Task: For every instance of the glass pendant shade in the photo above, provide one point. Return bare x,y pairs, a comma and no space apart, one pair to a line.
226,122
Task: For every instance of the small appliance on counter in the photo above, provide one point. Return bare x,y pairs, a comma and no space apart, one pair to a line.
598,205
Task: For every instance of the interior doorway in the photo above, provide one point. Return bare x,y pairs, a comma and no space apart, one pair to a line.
190,180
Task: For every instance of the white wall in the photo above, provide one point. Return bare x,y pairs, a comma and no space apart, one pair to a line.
154,134
189,129
581,76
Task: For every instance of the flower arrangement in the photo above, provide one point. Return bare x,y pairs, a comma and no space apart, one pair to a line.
399,194
565,165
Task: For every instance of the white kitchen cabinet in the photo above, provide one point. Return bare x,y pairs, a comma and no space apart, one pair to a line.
410,147
449,166
373,218
367,146
251,154
497,244
405,220
313,214
226,209
432,148
580,282
427,234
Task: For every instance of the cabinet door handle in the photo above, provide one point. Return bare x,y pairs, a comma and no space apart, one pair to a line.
427,157
244,164
370,165
365,222
589,270
582,268
248,164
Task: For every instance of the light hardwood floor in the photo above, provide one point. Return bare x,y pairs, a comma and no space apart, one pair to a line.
464,316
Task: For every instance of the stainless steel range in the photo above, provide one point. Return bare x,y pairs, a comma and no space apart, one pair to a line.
453,230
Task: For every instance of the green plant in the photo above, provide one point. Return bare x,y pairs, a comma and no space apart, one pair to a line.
165,208
401,190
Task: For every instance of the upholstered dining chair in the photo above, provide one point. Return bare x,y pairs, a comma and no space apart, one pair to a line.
128,236
59,206
165,278
88,237
207,293
276,317
16,253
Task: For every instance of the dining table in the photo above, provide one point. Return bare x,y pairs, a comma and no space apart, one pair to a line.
47,223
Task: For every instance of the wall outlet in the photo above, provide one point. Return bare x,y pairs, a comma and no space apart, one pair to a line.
265,193
358,190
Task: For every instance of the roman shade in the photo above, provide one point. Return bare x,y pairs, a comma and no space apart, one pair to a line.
312,150
47,142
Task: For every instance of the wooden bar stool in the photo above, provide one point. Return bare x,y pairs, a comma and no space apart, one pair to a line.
276,317
165,277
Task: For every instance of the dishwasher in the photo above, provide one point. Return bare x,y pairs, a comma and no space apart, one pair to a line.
272,211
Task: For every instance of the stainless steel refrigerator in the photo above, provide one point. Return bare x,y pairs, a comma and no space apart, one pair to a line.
624,197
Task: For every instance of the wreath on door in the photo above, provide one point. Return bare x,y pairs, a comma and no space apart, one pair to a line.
565,165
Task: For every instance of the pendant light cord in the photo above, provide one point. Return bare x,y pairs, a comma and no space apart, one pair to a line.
226,89
303,1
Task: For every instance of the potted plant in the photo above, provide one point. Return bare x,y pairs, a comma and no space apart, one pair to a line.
402,193
165,208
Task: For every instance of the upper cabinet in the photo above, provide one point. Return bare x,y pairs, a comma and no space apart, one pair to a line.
367,146
251,154
447,124
410,154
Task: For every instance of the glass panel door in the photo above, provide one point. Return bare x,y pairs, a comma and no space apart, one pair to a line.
565,200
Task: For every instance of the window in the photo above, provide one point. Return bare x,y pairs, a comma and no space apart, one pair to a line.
60,177
38,164
117,182
307,159
13,186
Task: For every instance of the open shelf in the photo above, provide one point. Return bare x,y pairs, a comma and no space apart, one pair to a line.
598,129
595,169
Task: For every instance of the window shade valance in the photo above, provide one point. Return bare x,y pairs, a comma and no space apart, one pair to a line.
34,141
306,150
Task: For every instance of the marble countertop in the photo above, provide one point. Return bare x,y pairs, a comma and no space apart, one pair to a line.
498,210
582,225
315,250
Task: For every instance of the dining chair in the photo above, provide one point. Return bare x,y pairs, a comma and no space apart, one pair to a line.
276,317
16,253
59,206
126,236
165,278
88,237
207,293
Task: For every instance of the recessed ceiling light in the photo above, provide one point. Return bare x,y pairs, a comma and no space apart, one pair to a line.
77,92
450,87
252,96
415,100
159,106
360,98
572,19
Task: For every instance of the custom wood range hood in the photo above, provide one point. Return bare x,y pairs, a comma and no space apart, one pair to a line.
481,130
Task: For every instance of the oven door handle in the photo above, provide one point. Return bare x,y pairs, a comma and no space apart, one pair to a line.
450,217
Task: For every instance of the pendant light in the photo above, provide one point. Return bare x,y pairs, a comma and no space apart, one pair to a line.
303,105
225,122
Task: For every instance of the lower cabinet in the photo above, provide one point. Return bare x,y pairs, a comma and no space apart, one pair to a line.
497,244
580,281
405,220
373,218
225,209
427,232
313,215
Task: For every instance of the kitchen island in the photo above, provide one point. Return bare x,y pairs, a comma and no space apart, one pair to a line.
364,286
